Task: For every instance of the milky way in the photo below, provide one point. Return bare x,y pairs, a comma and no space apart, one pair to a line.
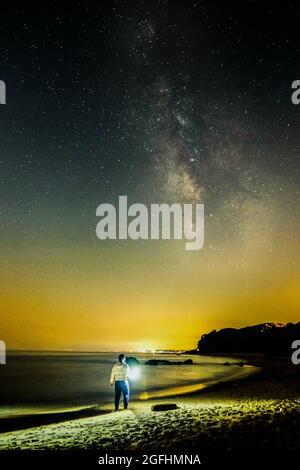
162,101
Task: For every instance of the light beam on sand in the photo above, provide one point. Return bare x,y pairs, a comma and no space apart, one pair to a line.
172,392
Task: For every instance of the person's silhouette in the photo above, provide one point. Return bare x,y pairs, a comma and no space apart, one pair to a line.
119,377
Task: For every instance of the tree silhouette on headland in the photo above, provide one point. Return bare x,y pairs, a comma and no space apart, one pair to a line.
263,338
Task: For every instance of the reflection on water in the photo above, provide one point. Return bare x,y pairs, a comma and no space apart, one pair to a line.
235,372
45,382
171,392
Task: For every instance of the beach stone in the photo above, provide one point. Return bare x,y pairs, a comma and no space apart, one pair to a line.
164,407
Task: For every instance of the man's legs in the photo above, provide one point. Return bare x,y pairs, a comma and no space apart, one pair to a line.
118,389
125,390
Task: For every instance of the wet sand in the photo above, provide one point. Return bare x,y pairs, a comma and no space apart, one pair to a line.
257,412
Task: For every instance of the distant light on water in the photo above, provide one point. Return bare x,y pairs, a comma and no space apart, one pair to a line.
147,351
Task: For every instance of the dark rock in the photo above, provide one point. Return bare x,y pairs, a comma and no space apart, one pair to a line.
164,362
188,361
164,407
132,361
157,362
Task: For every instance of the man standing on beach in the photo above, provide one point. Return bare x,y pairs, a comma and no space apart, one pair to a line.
119,377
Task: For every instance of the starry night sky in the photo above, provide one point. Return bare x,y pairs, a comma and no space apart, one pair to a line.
164,101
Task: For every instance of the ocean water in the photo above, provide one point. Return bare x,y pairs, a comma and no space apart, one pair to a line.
43,382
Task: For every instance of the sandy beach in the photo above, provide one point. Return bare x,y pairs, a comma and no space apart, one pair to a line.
260,412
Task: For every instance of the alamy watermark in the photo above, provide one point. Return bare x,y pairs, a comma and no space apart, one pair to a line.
296,94
296,354
2,92
159,222
2,352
